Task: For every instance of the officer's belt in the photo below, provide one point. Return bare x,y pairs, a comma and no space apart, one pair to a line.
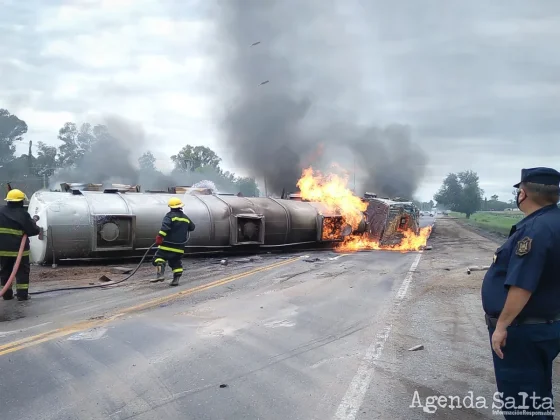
492,321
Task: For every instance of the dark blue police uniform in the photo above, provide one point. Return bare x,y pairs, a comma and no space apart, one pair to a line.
529,259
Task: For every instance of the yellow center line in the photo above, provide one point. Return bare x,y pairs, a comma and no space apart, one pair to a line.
85,325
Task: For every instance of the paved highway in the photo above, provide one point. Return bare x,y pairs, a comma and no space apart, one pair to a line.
291,337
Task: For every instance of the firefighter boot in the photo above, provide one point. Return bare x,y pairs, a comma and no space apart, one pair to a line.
176,278
160,274
9,295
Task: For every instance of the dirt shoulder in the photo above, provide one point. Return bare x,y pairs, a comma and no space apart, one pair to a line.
443,312
490,235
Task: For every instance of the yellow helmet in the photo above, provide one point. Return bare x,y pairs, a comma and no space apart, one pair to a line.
175,203
15,195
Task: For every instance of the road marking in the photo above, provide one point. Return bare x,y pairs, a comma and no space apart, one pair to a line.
337,257
6,333
354,397
86,325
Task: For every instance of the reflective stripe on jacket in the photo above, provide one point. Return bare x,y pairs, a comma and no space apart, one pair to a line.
14,222
175,228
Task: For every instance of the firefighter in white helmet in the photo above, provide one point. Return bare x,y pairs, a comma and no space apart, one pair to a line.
15,221
171,240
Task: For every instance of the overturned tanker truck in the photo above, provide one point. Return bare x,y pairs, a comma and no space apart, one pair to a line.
89,222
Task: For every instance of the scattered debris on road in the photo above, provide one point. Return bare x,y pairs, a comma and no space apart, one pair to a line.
416,348
477,268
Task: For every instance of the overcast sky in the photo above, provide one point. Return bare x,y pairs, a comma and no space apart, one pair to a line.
477,81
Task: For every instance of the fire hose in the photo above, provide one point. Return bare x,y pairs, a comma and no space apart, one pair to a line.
16,266
94,286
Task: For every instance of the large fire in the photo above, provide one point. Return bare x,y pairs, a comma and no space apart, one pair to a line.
332,191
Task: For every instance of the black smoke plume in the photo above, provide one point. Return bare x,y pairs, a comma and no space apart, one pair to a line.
293,79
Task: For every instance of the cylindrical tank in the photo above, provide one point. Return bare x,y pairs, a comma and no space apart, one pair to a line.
95,224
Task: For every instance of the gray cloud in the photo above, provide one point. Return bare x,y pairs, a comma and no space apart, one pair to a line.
477,83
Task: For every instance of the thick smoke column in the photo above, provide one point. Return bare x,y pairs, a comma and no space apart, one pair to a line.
263,124
393,165
312,86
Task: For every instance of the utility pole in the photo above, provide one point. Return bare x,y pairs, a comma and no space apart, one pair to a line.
354,174
29,162
265,188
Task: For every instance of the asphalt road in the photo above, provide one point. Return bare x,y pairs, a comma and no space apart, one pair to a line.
290,337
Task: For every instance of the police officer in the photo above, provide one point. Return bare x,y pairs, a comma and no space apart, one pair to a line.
15,221
171,239
521,298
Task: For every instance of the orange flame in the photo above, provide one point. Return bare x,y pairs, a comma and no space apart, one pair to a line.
332,191
409,242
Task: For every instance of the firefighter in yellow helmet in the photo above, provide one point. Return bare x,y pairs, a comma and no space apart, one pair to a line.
171,240
15,221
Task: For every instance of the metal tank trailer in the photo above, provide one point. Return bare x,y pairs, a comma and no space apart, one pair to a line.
86,222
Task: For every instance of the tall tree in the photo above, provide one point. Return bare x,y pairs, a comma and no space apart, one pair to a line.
461,192
12,129
147,162
46,162
76,142
190,158
449,195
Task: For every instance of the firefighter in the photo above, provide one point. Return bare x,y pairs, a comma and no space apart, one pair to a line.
171,240
15,221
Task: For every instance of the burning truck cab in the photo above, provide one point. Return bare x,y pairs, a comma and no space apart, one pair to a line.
389,220
383,221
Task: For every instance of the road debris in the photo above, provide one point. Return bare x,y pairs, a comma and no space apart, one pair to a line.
312,259
416,348
477,268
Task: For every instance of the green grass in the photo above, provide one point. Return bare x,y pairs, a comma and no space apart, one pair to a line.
498,222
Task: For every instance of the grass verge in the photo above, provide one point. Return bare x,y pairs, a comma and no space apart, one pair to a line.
495,222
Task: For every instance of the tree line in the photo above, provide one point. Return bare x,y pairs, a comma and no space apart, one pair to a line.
32,171
461,192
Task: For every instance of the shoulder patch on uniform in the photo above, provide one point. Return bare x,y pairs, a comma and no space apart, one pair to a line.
523,246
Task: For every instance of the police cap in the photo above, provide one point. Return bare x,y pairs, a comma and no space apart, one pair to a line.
544,176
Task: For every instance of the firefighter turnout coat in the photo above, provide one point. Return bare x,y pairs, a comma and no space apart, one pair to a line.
14,223
175,230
